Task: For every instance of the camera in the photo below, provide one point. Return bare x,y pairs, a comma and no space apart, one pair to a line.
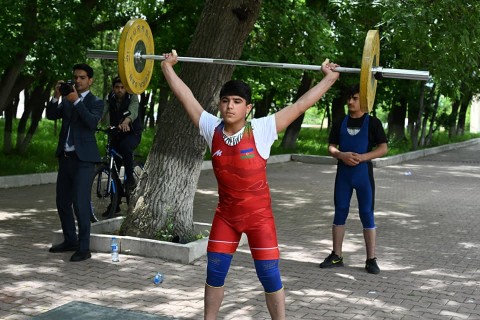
66,87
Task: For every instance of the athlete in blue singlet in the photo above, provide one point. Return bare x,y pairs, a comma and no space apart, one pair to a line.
355,141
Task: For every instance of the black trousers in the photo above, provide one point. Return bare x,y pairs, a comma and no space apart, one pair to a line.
74,182
125,145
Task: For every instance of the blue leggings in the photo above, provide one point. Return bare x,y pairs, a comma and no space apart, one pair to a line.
361,179
267,271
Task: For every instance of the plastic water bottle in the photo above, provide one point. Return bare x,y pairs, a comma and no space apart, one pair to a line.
158,278
114,246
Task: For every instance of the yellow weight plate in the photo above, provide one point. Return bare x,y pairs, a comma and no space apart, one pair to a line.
370,59
135,73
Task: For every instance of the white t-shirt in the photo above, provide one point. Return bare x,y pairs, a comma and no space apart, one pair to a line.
264,131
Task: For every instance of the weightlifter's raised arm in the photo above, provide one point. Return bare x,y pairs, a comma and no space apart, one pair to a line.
180,89
287,115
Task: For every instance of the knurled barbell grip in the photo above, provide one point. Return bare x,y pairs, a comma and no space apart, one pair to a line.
249,63
102,54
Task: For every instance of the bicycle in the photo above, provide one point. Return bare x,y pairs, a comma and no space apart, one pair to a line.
109,186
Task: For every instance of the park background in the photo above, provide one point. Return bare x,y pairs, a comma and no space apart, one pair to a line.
47,37
429,219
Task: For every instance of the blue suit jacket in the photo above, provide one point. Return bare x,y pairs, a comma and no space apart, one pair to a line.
82,120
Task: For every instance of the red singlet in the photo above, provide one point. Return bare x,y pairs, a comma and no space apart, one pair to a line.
244,198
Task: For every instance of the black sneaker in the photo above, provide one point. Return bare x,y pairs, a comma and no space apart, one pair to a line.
332,261
371,266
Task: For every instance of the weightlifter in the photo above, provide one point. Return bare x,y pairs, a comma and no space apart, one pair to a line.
240,150
355,140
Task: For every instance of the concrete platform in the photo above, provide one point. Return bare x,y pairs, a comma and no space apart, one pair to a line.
101,234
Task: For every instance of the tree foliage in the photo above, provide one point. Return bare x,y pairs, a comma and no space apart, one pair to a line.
439,36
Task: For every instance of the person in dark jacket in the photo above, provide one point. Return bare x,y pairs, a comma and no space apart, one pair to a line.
77,154
122,111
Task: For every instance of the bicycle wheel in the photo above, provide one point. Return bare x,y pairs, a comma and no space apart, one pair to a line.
104,195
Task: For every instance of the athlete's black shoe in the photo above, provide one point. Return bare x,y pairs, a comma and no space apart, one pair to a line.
371,266
332,261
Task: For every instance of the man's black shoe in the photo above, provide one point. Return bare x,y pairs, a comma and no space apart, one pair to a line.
93,218
81,255
63,247
107,212
131,184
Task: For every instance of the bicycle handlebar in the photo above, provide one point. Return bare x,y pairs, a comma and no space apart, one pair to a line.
113,129
110,129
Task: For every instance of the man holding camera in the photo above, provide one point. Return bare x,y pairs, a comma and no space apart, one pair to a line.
121,111
77,154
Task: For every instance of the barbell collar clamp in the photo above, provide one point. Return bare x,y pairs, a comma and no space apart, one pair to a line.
401,74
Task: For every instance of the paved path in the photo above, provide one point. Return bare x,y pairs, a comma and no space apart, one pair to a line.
428,218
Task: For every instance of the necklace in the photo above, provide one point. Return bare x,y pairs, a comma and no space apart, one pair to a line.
234,139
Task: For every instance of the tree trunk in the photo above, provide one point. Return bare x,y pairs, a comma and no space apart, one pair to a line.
29,35
452,118
150,112
338,107
328,116
164,93
27,110
423,130
432,120
337,110
37,102
396,120
418,121
263,107
21,83
8,129
289,140
9,78
428,110
145,98
167,188
462,115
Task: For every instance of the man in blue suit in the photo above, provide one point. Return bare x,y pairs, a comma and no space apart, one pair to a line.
77,154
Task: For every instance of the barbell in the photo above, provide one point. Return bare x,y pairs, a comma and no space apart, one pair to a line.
135,57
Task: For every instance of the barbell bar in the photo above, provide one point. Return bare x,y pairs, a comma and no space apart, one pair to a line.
378,71
135,62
